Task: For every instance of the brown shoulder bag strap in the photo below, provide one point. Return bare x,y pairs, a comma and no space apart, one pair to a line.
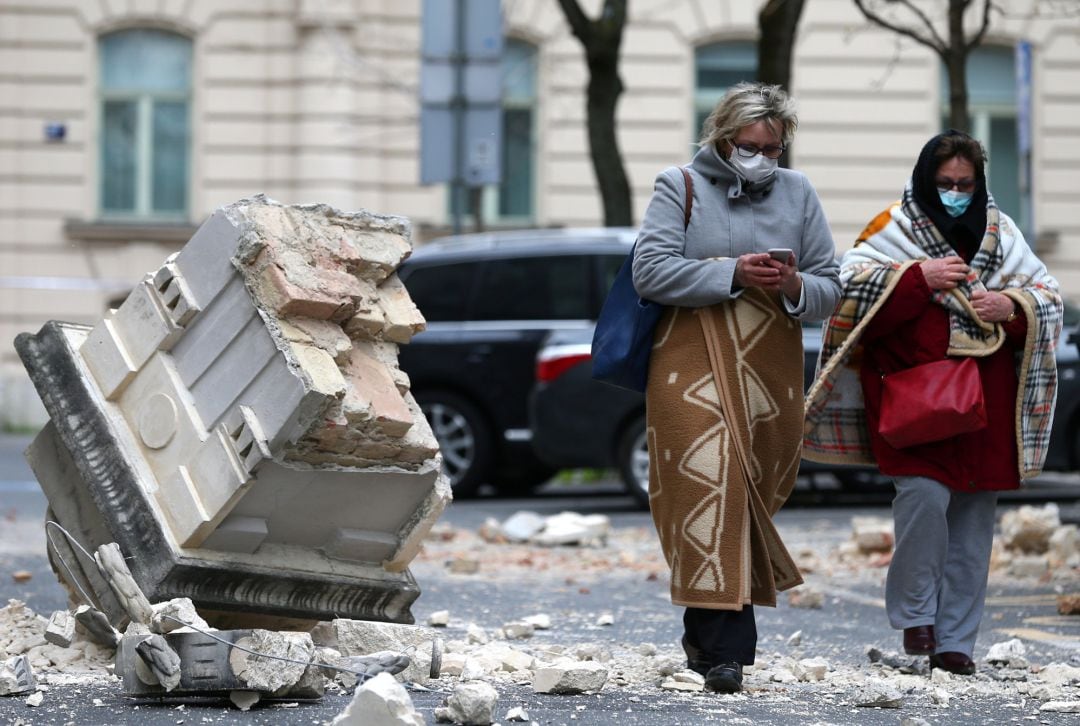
689,204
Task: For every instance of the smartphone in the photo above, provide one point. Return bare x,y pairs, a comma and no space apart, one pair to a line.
780,254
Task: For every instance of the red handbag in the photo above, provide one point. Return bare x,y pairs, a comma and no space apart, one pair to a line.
931,402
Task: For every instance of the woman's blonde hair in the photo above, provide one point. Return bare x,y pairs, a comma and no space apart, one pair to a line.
747,103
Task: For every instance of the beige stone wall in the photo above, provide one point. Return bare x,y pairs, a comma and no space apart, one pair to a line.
315,100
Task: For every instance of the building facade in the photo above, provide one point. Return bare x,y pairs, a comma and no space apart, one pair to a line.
124,123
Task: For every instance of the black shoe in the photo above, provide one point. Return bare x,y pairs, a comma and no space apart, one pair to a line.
953,662
695,659
724,678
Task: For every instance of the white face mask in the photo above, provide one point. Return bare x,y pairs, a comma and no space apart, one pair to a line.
754,169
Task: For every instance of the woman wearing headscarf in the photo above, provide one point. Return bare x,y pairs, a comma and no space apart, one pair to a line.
941,275
724,396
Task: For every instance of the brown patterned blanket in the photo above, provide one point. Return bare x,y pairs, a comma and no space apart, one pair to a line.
724,419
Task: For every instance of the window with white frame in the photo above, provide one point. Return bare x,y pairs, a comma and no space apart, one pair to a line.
717,67
145,124
515,193
513,199
992,106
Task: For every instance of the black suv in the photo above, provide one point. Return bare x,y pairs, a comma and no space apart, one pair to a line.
490,300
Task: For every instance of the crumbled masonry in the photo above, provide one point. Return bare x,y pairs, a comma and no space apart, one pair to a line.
239,426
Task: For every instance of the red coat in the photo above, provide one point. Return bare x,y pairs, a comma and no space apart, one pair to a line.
909,330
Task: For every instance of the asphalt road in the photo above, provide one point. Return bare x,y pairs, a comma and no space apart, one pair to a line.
818,518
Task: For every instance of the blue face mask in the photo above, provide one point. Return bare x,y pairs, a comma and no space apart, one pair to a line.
956,203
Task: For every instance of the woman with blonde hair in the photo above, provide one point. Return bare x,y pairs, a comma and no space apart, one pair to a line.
738,251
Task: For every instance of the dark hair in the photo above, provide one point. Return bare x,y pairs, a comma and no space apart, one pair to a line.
955,144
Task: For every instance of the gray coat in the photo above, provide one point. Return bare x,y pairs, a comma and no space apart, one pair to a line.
726,221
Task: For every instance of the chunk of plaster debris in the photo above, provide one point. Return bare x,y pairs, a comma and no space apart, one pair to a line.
380,701
61,628
244,700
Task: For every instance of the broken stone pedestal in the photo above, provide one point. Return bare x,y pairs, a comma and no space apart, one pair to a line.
239,425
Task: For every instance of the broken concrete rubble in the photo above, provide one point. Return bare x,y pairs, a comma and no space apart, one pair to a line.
1028,529
245,444
16,676
360,638
380,701
470,703
569,677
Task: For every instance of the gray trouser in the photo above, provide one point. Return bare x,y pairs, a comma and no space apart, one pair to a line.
941,561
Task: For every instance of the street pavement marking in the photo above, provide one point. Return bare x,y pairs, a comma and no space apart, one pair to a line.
1006,600
1063,621
1041,636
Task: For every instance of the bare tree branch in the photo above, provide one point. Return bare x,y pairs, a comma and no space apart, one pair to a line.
579,23
934,41
988,5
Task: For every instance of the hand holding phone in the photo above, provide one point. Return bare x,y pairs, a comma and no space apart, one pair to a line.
781,254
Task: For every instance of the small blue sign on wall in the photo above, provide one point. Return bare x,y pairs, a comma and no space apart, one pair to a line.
55,131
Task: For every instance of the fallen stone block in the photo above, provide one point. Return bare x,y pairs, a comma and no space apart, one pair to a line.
1068,604
439,619
380,701
475,634
1029,566
806,597
872,534
175,614
685,680
470,703
358,668
275,667
61,628
204,664
244,700
226,408
518,630
16,676
96,626
1028,529
568,528
811,669
34,699
111,562
878,695
1063,546
422,645
1060,707
162,664
1059,674
521,526
517,713
540,621
1009,653
569,677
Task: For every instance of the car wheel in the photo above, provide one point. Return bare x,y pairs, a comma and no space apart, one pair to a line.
632,457
464,439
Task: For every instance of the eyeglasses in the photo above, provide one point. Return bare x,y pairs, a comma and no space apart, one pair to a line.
961,185
770,152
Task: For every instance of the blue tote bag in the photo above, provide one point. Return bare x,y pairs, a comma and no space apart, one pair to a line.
622,340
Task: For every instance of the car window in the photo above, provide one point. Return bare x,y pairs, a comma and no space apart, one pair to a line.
441,292
534,288
609,268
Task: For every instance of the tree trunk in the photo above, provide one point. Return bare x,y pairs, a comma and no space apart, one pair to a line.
778,25
604,89
955,60
601,40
